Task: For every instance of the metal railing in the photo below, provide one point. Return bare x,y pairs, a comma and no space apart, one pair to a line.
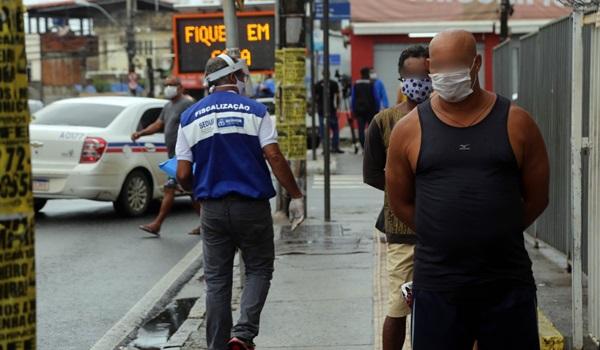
544,70
544,89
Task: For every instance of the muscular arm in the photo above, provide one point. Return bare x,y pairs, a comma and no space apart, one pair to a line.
281,169
399,174
530,150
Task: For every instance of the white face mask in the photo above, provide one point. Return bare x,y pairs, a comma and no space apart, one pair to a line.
373,75
453,86
170,91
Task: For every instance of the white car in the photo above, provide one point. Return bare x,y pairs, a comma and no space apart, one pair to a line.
35,105
82,148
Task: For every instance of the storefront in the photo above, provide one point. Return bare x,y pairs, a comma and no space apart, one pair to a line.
382,29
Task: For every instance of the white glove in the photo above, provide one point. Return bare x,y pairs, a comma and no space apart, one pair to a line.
296,211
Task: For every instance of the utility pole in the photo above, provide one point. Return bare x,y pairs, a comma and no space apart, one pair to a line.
310,24
17,222
576,191
130,35
231,28
326,112
150,73
505,11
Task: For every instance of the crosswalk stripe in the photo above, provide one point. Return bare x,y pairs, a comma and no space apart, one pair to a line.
341,182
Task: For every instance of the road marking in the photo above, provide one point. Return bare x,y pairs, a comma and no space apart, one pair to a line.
153,302
340,182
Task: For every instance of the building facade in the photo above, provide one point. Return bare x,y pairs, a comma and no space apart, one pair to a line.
382,29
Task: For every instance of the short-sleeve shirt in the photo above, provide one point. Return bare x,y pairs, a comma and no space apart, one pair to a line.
267,134
224,135
171,116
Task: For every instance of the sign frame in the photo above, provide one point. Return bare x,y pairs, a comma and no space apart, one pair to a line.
192,80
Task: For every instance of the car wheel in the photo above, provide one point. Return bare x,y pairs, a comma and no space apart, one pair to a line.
135,196
39,203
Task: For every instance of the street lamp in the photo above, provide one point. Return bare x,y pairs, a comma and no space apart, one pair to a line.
98,7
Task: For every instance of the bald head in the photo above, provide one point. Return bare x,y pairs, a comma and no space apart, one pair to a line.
454,49
454,40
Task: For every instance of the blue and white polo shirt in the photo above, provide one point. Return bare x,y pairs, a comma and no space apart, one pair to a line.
224,134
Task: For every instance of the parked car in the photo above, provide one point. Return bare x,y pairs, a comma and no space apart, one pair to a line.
269,102
82,148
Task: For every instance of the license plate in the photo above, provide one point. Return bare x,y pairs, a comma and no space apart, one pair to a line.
41,185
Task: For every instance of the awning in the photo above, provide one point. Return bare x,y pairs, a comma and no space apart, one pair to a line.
432,16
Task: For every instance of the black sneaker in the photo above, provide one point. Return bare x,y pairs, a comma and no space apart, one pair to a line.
339,151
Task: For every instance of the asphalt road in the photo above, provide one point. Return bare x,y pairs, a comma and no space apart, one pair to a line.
93,266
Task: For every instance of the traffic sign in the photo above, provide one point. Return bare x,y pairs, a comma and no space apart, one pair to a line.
335,59
337,11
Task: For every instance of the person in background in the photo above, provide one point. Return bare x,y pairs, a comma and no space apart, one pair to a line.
380,93
468,172
267,87
168,122
334,103
230,138
132,82
89,87
364,103
412,68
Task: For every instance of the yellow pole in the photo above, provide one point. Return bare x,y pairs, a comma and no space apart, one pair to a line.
17,269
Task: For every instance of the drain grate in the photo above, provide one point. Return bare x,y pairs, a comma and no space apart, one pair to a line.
318,239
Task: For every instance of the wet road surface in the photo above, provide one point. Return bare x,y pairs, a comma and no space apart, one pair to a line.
93,266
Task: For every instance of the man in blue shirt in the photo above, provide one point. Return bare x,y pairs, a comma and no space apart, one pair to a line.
228,137
380,93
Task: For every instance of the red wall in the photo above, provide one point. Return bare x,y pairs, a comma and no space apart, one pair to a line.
363,50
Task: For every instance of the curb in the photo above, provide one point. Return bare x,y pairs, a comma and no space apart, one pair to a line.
550,337
192,324
195,320
153,302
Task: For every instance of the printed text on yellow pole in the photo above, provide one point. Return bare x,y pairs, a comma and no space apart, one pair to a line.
17,269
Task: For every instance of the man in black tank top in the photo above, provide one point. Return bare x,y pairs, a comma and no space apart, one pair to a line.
468,172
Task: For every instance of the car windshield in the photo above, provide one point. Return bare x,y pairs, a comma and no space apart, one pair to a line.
77,114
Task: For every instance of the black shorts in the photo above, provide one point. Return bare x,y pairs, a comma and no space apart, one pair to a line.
501,320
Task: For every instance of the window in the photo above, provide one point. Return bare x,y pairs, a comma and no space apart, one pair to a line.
144,48
77,114
149,117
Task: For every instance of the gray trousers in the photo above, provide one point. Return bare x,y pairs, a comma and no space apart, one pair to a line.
228,224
